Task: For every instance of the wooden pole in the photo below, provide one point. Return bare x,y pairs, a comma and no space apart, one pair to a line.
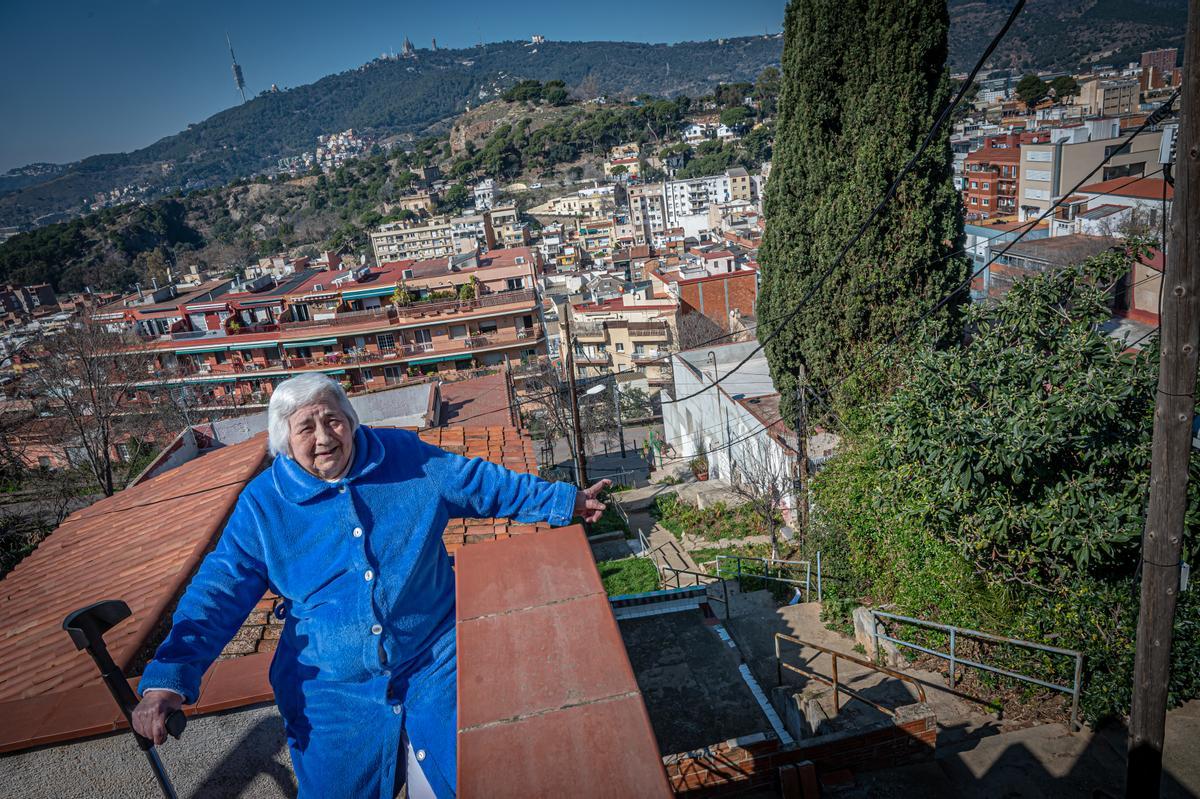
1162,541
802,452
569,349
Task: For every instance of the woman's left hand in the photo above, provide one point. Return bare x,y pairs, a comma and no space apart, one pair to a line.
587,504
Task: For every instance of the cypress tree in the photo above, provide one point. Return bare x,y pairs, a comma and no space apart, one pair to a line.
863,81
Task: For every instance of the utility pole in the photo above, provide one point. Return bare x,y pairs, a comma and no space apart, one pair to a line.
802,450
617,411
569,349
1162,541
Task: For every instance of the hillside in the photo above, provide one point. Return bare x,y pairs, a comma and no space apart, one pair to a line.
233,225
389,97
417,96
1055,35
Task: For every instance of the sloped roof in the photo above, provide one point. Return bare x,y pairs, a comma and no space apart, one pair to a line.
140,545
1143,189
143,545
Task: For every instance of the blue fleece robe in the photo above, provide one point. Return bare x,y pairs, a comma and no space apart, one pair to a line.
367,648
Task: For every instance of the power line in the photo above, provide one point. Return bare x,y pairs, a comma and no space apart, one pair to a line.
883,203
1153,119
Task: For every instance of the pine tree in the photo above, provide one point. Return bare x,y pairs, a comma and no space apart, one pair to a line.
863,81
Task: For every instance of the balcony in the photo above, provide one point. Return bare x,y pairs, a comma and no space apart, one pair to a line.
654,331
647,356
593,359
589,332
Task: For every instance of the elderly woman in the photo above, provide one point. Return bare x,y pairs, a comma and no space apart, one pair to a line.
347,527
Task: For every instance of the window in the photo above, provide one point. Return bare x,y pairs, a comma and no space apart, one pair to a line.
1116,149
487,327
219,357
974,201
422,336
987,185
458,331
620,346
986,201
367,376
1124,171
974,184
386,341
515,283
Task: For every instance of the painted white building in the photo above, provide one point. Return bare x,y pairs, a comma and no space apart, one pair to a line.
736,422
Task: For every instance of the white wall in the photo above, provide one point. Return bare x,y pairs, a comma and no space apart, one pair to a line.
711,420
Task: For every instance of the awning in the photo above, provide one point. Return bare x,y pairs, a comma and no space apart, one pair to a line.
191,350
374,291
322,342
333,371
459,357
215,379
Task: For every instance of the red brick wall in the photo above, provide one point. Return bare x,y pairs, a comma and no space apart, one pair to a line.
728,768
708,296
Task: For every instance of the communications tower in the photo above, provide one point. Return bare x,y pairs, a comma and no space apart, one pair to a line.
237,70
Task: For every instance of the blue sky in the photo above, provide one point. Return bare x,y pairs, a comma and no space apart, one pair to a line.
79,78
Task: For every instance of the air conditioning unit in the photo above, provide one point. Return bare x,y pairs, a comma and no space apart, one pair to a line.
361,272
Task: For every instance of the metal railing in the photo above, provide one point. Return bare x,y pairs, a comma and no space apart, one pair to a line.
698,579
955,661
739,572
838,688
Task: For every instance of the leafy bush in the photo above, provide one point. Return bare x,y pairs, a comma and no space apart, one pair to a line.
1003,487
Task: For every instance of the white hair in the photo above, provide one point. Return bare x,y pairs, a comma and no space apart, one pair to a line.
293,394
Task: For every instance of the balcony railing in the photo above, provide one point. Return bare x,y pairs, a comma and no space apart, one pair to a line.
589,332
648,330
645,356
594,359
362,356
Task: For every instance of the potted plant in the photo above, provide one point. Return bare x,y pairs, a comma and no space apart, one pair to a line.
699,466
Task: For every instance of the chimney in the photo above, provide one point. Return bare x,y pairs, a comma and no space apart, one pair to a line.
155,281
141,296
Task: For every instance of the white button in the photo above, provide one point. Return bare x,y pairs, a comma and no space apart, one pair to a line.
357,532
420,754
368,575
342,488
377,628
397,709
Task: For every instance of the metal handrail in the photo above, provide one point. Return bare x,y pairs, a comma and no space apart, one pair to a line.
724,598
834,683
806,583
1074,689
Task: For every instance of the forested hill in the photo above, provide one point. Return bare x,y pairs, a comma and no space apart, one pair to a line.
413,95
388,97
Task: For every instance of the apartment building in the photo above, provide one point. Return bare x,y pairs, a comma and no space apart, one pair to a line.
507,228
1109,96
657,207
368,327
593,201
432,238
991,174
630,335
1049,169
714,284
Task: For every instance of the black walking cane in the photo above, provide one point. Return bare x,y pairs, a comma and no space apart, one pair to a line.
87,627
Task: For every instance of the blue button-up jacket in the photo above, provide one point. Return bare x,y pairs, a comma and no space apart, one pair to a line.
367,648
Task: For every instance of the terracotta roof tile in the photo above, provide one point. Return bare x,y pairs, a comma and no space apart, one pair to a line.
125,546
536,604
142,545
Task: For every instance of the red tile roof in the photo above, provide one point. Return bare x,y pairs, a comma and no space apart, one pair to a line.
140,545
574,723
1143,189
480,401
143,545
